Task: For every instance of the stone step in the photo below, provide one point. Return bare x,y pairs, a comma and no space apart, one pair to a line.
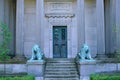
54,67
61,72
60,59
57,60
62,79
61,69
60,64
60,76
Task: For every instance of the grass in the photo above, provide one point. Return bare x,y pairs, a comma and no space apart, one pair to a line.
18,78
104,77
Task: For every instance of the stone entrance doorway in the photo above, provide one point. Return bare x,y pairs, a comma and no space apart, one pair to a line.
59,41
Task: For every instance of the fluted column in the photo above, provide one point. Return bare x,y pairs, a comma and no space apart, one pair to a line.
100,28
81,23
40,22
117,24
1,10
20,27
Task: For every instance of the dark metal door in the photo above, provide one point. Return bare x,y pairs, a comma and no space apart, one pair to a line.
60,41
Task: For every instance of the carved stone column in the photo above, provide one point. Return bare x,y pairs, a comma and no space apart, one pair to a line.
100,28
2,10
40,22
81,23
118,25
20,27
1,14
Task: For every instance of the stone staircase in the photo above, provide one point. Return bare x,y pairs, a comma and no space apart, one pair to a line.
61,69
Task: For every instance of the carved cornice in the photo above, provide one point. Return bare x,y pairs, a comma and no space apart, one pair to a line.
59,20
58,15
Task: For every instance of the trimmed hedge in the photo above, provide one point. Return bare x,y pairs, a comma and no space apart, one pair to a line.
104,77
18,78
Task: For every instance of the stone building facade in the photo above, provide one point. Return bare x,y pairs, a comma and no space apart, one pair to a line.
61,27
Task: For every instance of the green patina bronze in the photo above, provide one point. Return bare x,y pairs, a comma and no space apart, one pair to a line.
37,54
84,54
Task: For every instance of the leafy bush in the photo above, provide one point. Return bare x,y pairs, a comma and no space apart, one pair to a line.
18,78
104,77
5,36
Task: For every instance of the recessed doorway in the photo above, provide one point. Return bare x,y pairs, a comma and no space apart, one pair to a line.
59,41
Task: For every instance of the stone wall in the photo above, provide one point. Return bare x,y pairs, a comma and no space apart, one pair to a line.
85,68
14,68
32,68
88,68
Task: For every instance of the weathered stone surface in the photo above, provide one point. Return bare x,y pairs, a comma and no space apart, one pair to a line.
118,65
39,78
1,67
19,26
84,78
17,68
36,68
61,69
86,70
13,68
100,27
8,68
102,67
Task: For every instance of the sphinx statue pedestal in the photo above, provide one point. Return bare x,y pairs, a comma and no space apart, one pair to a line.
36,68
36,63
86,68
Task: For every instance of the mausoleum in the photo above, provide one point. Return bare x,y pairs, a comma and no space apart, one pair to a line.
62,27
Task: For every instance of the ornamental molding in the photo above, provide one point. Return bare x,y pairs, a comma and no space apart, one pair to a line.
59,15
59,21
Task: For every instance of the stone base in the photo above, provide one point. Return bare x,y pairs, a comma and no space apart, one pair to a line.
36,68
86,67
39,78
84,78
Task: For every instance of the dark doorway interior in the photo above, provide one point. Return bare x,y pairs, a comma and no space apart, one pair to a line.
59,41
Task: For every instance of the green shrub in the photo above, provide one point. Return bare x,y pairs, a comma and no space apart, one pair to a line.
5,35
104,77
18,78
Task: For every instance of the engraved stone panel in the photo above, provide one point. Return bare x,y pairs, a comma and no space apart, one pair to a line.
58,7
